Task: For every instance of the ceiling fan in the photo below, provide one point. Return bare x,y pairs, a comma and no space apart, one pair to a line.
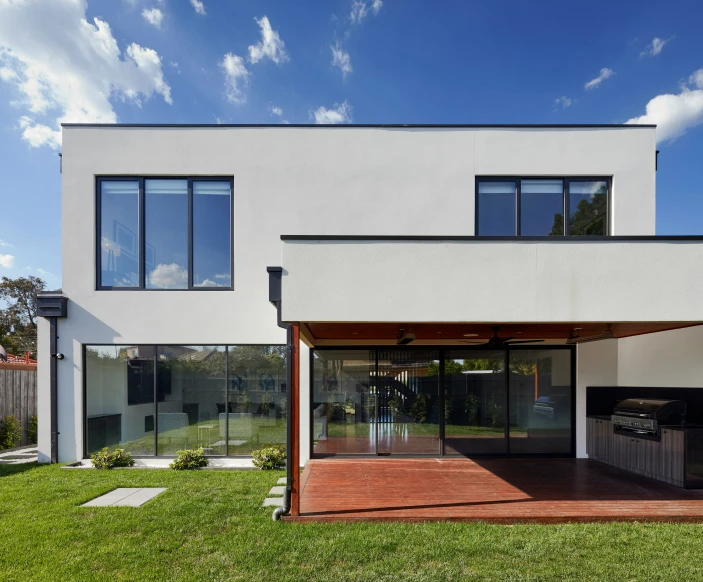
501,342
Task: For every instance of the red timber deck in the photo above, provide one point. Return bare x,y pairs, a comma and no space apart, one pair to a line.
490,490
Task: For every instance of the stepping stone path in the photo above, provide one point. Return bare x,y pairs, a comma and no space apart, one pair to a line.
19,456
125,497
275,498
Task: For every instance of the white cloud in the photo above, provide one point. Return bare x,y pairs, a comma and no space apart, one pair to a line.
4,243
563,102
236,77
673,114
222,276
271,45
208,283
67,69
176,66
341,59
44,273
153,16
275,111
655,47
359,10
7,261
171,276
198,6
605,73
339,113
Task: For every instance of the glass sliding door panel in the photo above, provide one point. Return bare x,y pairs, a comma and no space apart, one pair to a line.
540,401
119,401
256,399
474,402
408,401
541,208
191,389
343,402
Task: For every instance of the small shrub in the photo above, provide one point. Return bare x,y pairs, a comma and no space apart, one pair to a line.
270,457
109,460
190,459
10,432
33,431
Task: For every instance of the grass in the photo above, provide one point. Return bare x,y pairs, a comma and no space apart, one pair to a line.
209,525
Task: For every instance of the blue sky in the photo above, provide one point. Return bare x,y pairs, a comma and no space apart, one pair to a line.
372,61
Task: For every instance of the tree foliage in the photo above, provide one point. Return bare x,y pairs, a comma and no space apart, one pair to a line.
18,319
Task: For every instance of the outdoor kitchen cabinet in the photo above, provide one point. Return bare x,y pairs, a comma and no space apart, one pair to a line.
664,460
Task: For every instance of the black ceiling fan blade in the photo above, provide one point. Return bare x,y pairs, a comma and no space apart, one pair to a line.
524,342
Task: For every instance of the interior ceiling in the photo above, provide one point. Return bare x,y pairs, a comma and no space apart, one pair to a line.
463,333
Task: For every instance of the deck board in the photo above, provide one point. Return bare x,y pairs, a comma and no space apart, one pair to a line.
493,490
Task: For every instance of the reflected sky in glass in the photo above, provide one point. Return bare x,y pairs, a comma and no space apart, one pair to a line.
119,233
211,234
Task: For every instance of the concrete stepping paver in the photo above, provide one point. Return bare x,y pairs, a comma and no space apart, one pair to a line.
125,497
281,481
278,490
272,502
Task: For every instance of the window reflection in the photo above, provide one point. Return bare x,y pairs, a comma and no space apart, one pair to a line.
588,207
542,208
211,234
496,209
166,232
119,233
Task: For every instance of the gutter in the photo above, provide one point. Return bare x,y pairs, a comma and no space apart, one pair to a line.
275,274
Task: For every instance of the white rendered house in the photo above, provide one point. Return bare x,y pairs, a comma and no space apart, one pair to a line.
402,251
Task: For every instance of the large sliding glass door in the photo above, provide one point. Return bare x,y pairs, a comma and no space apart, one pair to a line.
442,401
474,402
408,414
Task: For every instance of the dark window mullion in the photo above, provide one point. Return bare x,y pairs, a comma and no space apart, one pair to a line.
518,205
141,254
190,233
567,207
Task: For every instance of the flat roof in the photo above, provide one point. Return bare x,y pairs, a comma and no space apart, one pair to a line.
370,125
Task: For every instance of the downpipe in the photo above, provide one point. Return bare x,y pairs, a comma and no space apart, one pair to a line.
285,508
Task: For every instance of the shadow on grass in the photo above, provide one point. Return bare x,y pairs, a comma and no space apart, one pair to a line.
8,470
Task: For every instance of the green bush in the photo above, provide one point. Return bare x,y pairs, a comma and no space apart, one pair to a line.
10,432
190,459
33,431
105,459
270,457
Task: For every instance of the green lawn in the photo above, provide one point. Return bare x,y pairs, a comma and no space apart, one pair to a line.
209,525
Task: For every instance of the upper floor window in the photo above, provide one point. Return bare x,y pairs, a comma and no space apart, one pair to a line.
164,233
537,207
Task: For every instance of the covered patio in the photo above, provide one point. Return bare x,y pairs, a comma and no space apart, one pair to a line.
494,490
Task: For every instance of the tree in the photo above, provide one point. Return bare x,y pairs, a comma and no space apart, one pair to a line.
18,321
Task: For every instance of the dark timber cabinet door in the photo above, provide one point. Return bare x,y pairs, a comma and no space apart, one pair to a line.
663,460
671,457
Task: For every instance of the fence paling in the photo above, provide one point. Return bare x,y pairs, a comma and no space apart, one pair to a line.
18,396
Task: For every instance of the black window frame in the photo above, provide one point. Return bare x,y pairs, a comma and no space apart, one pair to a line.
566,180
141,252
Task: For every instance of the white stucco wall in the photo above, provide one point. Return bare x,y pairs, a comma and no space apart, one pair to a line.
596,365
666,359
368,181
444,281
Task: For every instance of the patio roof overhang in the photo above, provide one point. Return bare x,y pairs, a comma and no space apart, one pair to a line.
356,289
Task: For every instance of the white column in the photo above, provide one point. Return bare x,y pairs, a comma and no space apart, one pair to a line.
596,365
44,390
304,404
